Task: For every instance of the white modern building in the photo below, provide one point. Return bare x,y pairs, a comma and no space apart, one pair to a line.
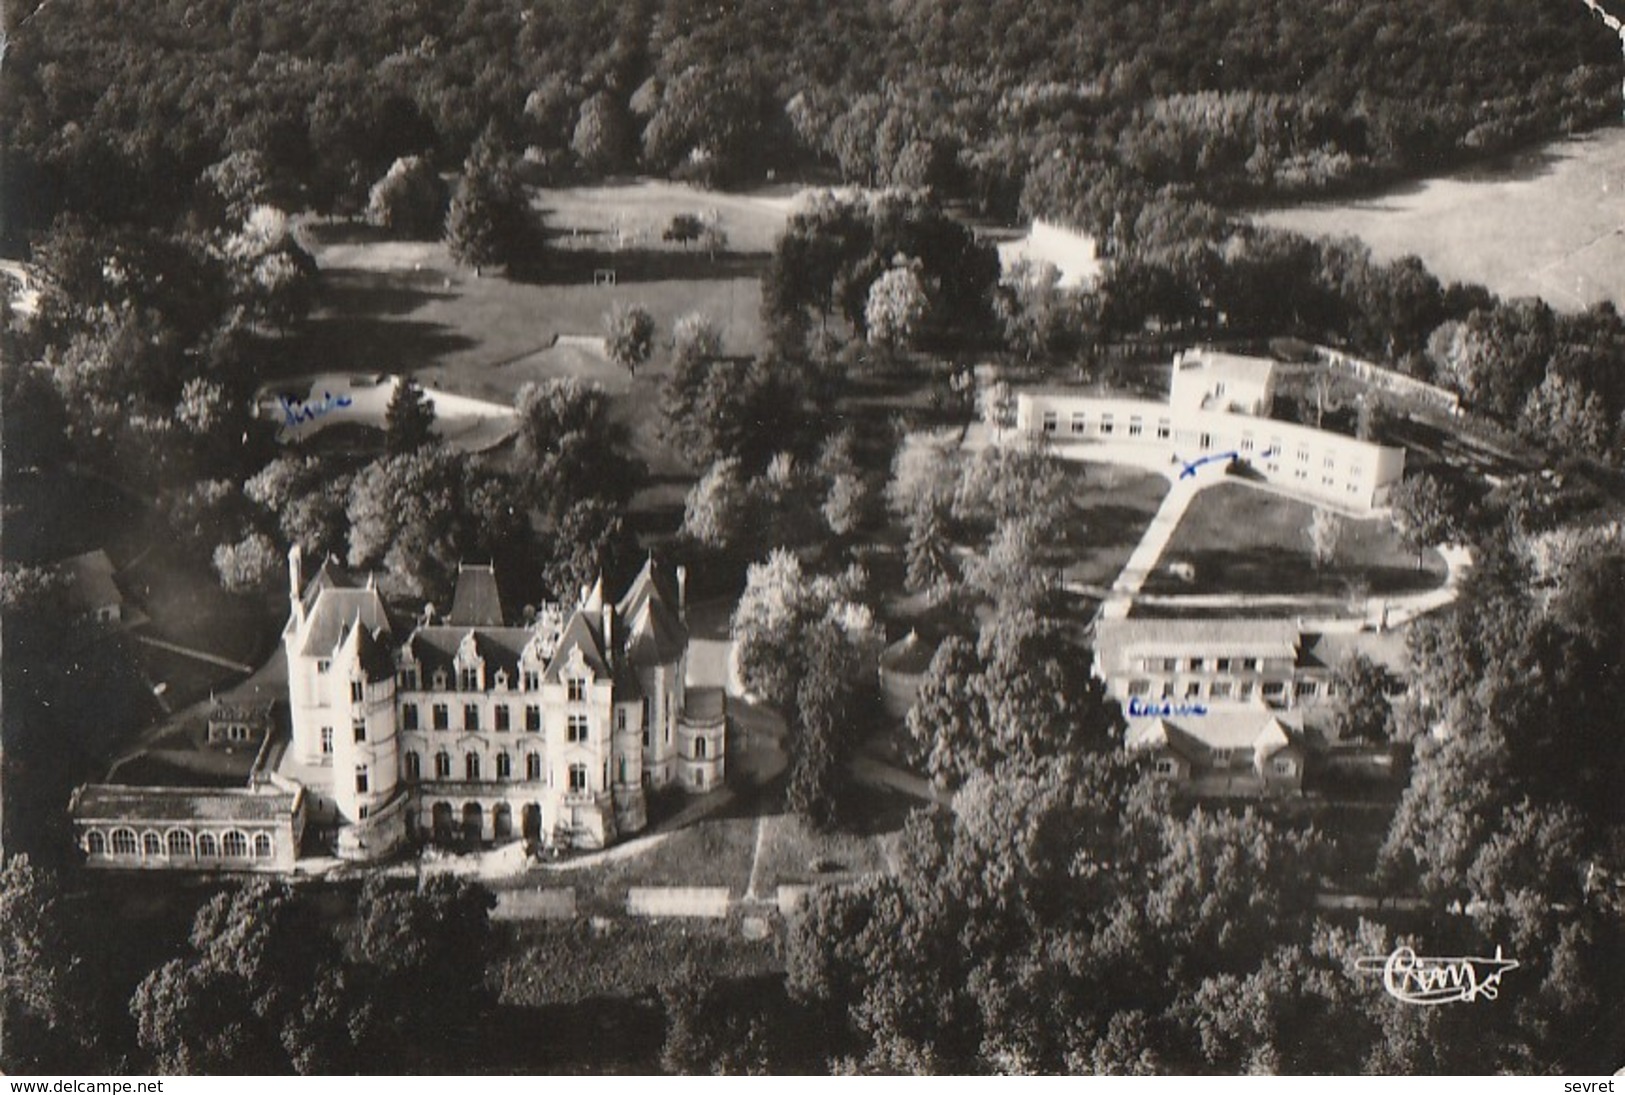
1199,425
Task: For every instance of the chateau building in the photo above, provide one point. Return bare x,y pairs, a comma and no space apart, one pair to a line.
470,728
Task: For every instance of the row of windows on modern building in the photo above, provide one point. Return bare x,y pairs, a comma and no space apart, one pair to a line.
1272,453
1242,691
179,844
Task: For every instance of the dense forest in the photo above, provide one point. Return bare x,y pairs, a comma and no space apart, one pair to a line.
116,110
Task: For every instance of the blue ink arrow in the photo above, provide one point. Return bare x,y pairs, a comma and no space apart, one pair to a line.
1189,470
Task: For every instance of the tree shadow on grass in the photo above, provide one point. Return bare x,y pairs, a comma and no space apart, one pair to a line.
370,344
375,293
580,267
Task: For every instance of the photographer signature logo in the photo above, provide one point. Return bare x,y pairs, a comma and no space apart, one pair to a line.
1412,979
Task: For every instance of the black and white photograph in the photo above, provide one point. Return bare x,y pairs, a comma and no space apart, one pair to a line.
812,538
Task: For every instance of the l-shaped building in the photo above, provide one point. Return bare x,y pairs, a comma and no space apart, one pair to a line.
1215,410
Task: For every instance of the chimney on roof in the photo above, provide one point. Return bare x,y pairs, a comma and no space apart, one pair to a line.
609,634
296,580
682,592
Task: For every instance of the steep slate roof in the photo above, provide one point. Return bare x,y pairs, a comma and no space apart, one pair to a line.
657,636
110,803
372,651
336,610
331,575
476,602
581,633
435,646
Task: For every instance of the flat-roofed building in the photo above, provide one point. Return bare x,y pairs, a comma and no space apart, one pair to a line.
1319,465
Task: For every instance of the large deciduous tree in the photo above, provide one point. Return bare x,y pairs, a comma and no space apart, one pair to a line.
410,200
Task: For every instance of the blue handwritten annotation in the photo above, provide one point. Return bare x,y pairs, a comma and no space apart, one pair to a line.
1139,709
1189,469
296,412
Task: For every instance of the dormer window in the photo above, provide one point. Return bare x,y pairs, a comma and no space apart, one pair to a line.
502,679
408,679
356,691
577,689
532,680
468,679
439,680
323,665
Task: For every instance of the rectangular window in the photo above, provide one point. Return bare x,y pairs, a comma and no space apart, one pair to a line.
1249,665
502,717
1303,455
1049,421
1164,429
1139,687
355,692
360,728
576,729
532,680
1222,665
409,716
1169,665
533,718
1080,422
442,717
1194,665
1105,425
1246,442
1193,689
323,665
468,679
1274,690
471,716
1165,767
361,779
1307,689
620,720
578,777
408,680
1245,692
327,740
578,689
1135,426
1220,690
1282,767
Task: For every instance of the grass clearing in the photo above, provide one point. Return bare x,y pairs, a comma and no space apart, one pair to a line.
1243,540
713,852
1543,222
1110,514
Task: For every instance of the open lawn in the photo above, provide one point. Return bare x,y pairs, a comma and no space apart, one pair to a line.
1543,222
1244,540
713,852
400,306
1111,510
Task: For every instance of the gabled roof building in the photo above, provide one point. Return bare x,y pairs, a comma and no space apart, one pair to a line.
470,729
